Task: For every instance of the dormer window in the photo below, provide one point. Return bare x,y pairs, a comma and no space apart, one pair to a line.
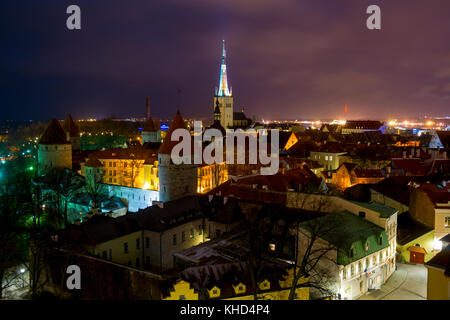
352,252
367,246
380,240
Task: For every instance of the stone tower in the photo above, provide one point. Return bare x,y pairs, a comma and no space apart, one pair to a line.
72,132
151,132
223,95
175,181
54,149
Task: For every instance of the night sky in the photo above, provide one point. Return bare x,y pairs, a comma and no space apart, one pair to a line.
292,59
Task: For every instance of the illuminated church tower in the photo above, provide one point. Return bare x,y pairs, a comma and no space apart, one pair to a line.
223,95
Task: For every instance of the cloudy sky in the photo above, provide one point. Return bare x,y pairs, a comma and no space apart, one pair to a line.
291,59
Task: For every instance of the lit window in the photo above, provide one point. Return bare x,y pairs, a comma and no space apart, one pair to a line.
447,222
272,246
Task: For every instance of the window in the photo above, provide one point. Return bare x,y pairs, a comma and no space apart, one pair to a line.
137,263
182,297
110,254
114,173
272,246
217,232
183,236
104,254
125,247
110,179
125,173
138,244
125,165
110,164
447,222
367,247
129,262
215,291
326,158
362,214
147,261
191,235
380,240
200,230
352,252
114,164
147,242
174,239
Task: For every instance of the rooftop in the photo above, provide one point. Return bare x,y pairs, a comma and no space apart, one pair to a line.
383,210
54,134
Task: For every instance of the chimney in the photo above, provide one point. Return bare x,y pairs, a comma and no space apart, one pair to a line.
147,111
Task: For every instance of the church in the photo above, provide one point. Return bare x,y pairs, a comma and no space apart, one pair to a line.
224,100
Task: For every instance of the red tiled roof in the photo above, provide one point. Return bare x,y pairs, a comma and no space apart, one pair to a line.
138,153
245,193
413,166
54,134
93,163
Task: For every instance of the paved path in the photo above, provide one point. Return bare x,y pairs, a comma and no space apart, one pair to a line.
409,282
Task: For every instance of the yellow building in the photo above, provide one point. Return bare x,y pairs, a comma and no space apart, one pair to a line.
438,285
137,167
225,290
416,249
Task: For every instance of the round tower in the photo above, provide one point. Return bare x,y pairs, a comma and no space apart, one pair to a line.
54,150
175,181
72,132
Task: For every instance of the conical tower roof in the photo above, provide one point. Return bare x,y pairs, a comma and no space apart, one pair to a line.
150,125
54,134
168,144
70,127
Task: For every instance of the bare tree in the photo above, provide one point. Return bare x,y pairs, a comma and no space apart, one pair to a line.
15,209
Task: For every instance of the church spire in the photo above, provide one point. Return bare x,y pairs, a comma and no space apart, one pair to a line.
223,91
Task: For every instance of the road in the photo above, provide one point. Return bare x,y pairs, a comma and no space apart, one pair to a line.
409,282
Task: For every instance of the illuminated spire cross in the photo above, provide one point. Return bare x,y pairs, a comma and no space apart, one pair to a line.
223,82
